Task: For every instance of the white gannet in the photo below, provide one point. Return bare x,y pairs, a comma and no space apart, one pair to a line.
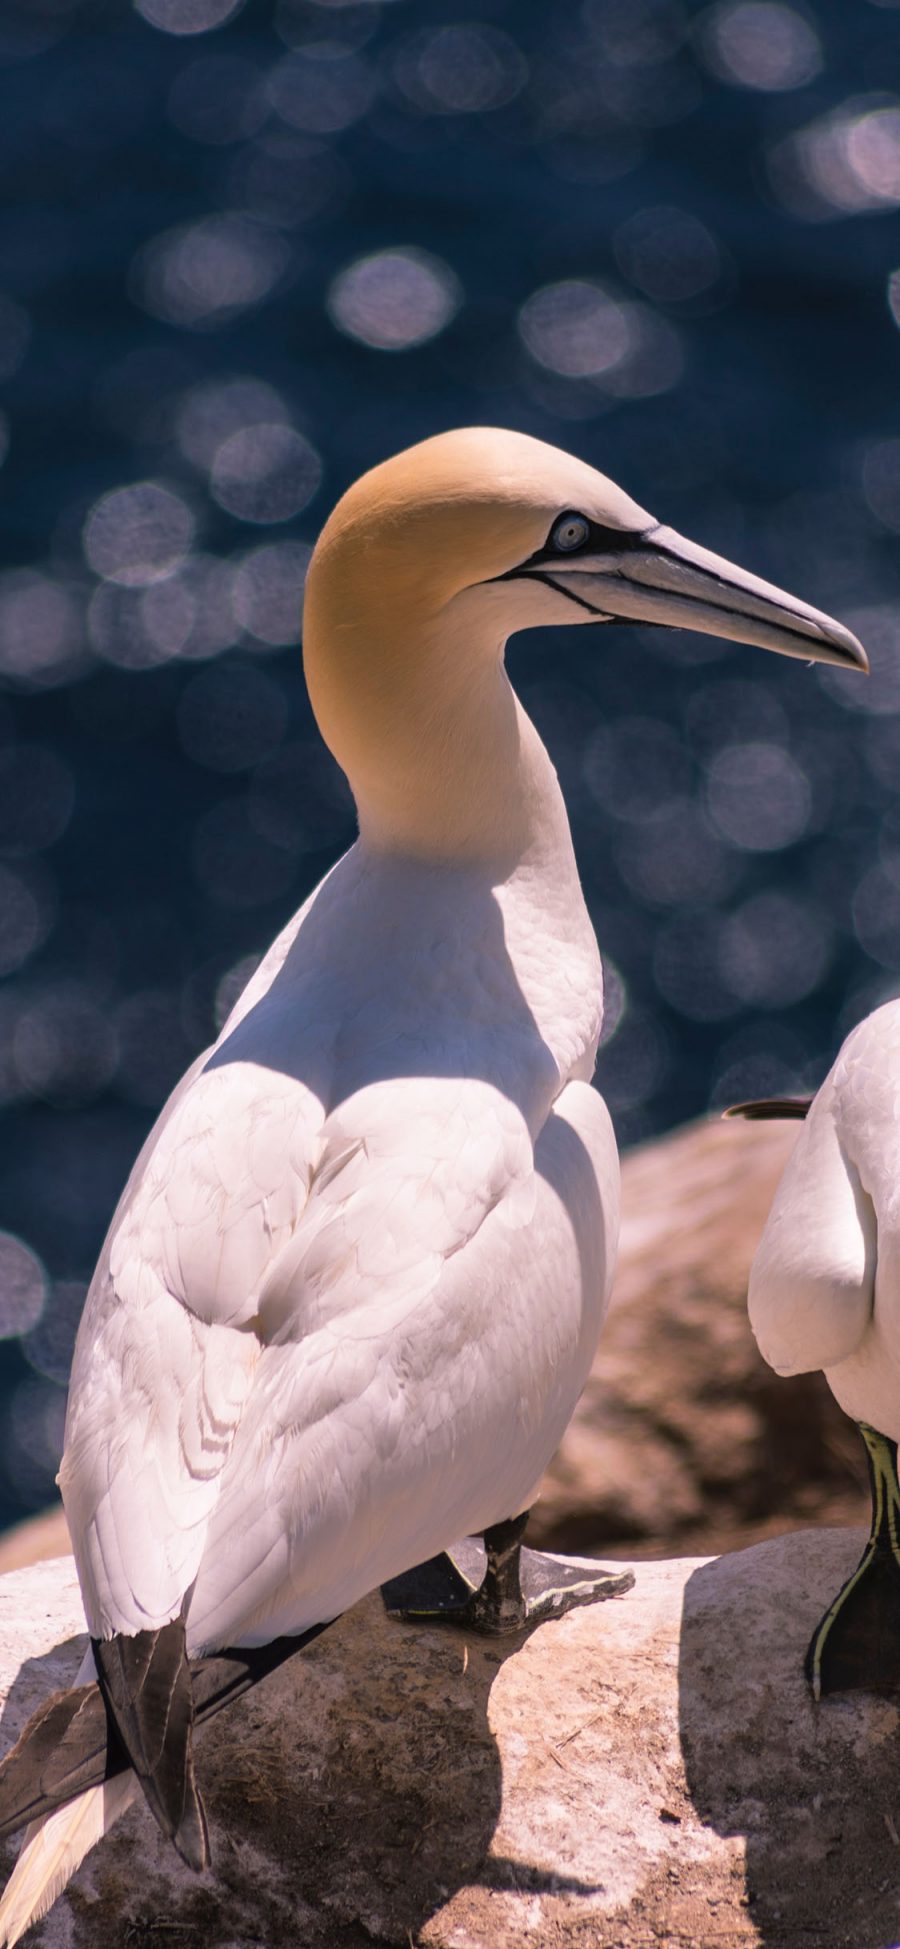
825,1292
356,1280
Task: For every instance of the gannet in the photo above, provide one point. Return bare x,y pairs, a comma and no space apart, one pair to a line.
825,1292
356,1280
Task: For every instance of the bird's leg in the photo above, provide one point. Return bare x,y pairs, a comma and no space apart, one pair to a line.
503,1590
856,1647
499,1604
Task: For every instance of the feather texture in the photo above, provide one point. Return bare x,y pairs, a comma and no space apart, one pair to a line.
824,1277
146,1685
67,1745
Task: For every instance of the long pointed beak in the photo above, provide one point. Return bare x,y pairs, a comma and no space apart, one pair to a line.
659,577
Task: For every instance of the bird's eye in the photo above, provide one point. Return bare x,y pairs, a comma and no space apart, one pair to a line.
571,531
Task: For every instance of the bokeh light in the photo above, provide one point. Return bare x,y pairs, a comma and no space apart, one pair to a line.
49,1343
231,987
758,797
40,628
191,614
136,534
881,481
845,163
580,331
265,473
633,1065
894,296
288,179
689,970
268,592
762,1059
23,1286
187,16
27,914
209,414
675,858
575,329
635,767
878,626
203,275
876,917
322,90
636,33
33,1439
761,44
64,1047
669,254
775,950
461,69
394,299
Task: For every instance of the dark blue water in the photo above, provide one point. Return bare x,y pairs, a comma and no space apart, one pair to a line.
245,254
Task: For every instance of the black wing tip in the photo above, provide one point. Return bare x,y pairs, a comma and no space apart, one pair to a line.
63,1749
71,1743
191,1836
146,1684
770,1109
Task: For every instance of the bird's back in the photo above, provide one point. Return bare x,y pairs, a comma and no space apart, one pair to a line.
373,1102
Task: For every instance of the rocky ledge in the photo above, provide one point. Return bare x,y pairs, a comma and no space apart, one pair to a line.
649,1771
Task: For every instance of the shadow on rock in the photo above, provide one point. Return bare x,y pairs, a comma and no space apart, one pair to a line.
367,1777
813,1789
350,1796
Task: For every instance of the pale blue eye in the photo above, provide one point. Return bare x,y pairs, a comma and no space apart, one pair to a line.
570,532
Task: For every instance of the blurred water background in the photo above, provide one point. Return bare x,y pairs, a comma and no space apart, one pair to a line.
249,251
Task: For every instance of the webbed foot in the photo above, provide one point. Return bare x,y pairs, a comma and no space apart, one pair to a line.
499,1587
856,1647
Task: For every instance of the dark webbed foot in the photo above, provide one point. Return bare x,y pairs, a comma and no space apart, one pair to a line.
856,1647
500,1587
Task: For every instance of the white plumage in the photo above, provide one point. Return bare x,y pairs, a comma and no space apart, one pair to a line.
357,1277
318,1302
825,1293
825,1283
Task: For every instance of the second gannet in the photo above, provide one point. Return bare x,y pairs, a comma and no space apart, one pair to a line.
356,1280
825,1292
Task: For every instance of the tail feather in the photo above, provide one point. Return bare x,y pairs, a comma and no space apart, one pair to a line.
67,1743
64,1749
53,1849
145,1679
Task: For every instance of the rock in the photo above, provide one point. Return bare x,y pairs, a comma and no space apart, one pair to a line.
33,1541
683,1438
649,1771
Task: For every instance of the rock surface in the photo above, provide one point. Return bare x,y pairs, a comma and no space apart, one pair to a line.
650,1771
683,1439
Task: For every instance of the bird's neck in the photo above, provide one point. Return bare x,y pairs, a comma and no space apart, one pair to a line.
444,763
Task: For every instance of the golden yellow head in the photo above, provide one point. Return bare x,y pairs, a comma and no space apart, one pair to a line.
450,514
434,558
480,506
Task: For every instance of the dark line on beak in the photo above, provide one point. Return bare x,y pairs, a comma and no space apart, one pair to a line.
533,575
